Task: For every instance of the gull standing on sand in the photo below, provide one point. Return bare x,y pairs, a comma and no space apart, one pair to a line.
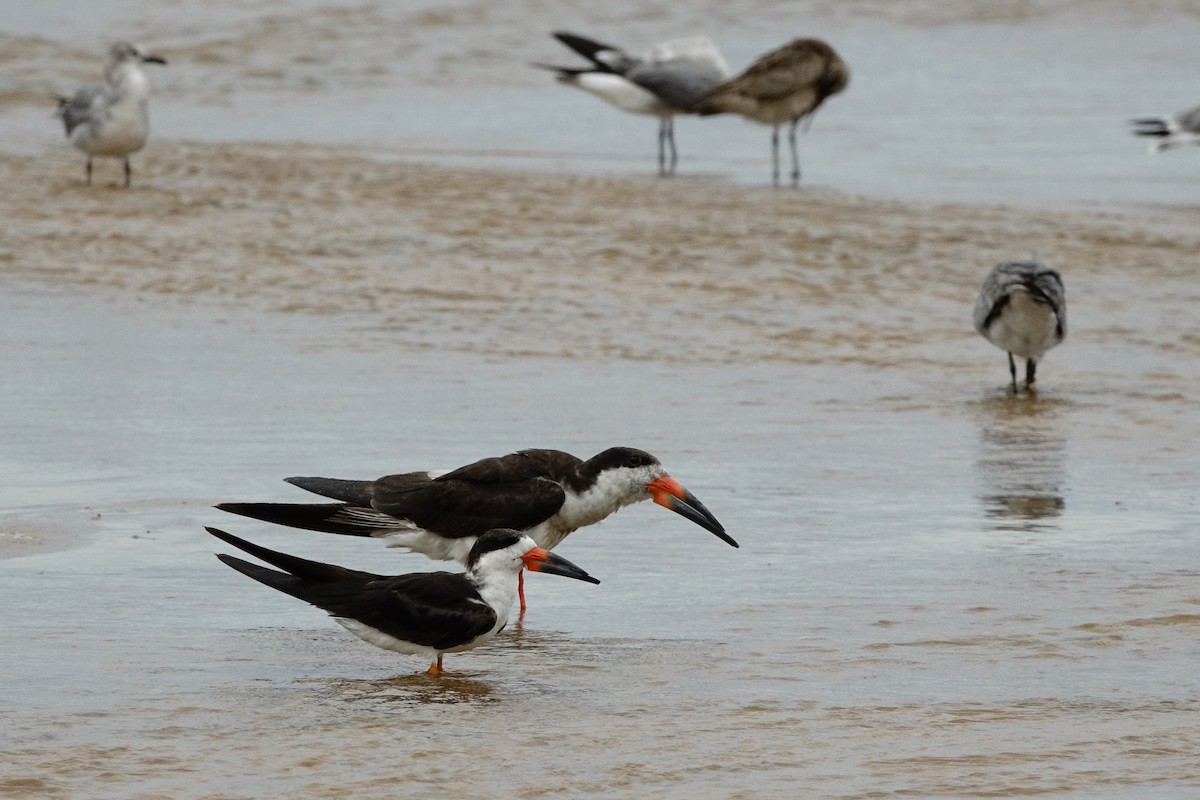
112,119
785,85
668,80
1176,130
1022,309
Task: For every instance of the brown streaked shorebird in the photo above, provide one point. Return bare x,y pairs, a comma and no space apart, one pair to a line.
785,85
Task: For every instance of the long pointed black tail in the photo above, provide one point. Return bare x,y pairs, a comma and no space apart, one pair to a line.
357,492
338,518
300,568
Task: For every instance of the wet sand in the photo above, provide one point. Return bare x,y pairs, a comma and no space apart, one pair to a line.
506,264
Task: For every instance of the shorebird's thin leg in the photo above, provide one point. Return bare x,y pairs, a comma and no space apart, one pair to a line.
670,124
89,171
795,157
521,589
435,669
775,154
128,173
662,146
1012,370
1030,373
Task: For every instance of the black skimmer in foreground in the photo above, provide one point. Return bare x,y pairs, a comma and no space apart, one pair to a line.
424,613
112,119
668,80
784,86
1022,309
545,494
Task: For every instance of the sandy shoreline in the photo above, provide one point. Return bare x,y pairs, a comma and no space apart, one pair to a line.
507,264
22,537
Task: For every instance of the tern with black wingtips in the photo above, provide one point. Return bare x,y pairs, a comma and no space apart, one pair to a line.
546,494
424,613
1174,130
1022,309
667,81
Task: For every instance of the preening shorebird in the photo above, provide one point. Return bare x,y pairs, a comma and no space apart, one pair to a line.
1022,309
786,85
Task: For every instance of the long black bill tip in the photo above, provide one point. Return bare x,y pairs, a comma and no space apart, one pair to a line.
691,508
557,565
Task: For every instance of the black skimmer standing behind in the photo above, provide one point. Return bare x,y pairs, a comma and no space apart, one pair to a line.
1022,309
784,86
424,613
545,494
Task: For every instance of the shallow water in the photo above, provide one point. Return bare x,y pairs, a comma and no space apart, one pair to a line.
941,591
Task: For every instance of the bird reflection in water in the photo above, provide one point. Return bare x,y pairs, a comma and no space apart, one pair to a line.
418,689
1022,462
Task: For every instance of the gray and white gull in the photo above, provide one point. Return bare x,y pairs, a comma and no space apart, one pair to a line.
668,80
112,119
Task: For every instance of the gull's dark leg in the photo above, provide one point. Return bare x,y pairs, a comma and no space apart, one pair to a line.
1012,370
775,154
670,123
795,157
128,173
662,147
89,171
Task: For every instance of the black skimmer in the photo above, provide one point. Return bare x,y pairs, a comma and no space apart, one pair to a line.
424,613
112,119
545,494
1022,309
1175,130
784,86
668,80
